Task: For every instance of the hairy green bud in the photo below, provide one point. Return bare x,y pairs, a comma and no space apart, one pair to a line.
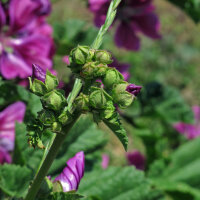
100,70
98,98
54,100
82,103
37,87
79,55
121,96
51,81
112,77
46,117
88,70
103,56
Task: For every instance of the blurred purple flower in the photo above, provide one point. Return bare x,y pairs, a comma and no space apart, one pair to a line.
134,16
25,37
122,67
137,159
191,131
133,89
72,174
105,161
66,60
8,117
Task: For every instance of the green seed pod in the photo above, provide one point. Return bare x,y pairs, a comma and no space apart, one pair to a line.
120,96
79,55
100,70
109,110
37,87
112,77
46,117
82,103
103,56
88,70
54,100
51,81
98,98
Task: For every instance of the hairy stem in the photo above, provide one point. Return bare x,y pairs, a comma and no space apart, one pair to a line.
51,153
58,141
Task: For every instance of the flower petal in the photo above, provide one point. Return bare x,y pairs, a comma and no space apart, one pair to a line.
149,24
126,37
2,16
12,66
137,159
8,117
4,156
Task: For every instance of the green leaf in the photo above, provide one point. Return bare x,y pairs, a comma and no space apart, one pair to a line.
14,179
64,196
115,125
191,7
116,183
84,136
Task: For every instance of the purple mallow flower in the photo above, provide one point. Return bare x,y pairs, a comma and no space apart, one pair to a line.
25,37
133,89
38,73
122,67
134,16
72,174
137,159
191,131
8,118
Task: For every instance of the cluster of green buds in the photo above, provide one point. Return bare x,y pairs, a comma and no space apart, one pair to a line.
44,84
104,87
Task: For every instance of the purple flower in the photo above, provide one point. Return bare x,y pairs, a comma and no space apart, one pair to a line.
72,174
8,117
105,161
191,131
25,37
122,68
134,16
133,89
38,73
137,159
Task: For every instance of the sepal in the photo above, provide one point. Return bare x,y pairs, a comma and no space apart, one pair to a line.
103,56
51,81
37,87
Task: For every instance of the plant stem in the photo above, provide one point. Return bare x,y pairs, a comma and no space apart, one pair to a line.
59,139
50,153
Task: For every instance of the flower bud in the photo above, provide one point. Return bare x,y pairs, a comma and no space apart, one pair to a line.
112,77
46,117
82,102
37,87
38,73
91,55
103,56
98,98
108,112
100,70
120,96
65,117
51,81
133,89
54,100
88,70
79,55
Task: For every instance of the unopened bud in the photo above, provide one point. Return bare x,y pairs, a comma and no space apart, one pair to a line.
51,81
88,70
133,89
112,77
54,100
98,98
120,96
82,103
103,56
46,117
79,55
100,70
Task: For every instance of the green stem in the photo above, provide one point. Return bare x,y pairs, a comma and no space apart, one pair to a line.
59,139
51,153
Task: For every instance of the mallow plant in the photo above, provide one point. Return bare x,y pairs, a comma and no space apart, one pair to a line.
99,89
